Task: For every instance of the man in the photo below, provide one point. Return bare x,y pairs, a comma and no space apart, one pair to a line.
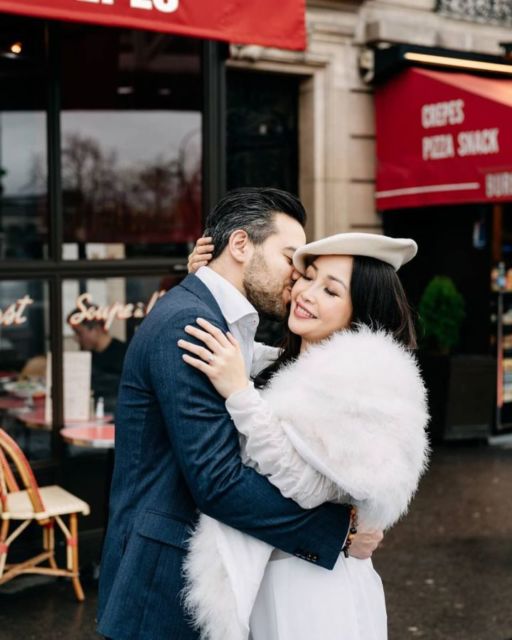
177,450
107,356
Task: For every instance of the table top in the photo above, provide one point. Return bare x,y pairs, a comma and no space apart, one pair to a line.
94,435
35,419
11,402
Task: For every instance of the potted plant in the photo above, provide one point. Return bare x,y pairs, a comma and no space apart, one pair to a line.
441,310
441,313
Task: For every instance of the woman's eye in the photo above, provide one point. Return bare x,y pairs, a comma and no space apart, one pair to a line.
331,293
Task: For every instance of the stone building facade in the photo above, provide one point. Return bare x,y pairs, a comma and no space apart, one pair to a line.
336,109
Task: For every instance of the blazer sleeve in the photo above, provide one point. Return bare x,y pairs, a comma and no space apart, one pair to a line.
269,448
206,445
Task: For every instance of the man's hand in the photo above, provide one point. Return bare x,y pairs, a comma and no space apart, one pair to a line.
364,544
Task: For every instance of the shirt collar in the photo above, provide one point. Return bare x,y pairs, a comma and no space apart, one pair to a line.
233,304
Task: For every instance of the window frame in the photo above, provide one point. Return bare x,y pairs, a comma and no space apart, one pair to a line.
55,269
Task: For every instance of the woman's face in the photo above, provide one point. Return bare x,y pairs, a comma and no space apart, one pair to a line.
321,302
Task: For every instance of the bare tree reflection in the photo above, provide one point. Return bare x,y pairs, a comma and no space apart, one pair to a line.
158,202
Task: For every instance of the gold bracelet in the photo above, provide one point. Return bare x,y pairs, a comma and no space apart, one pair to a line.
353,524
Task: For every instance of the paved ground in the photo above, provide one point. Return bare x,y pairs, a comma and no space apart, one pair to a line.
447,567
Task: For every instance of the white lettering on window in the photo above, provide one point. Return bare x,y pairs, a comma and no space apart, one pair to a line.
13,315
86,310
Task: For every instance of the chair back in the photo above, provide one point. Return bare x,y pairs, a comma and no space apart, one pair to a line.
10,451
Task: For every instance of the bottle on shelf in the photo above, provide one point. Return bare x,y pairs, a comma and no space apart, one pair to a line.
91,405
100,408
502,276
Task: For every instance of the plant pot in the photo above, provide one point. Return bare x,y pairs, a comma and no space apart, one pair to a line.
462,395
436,374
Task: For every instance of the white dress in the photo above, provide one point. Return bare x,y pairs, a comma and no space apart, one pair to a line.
344,423
298,600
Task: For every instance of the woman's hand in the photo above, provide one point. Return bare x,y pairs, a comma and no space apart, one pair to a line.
201,255
220,359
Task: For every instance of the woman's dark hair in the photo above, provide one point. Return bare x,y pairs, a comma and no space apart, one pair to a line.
378,301
251,209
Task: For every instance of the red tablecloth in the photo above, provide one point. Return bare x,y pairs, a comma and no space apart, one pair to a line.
94,435
10,402
37,418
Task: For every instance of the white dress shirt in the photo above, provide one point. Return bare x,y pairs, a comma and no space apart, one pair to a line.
241,317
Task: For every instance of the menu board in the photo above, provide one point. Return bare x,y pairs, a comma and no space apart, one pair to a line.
77,386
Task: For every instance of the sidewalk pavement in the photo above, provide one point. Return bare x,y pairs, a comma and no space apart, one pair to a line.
446,568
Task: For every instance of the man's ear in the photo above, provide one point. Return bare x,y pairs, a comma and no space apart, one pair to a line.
240,246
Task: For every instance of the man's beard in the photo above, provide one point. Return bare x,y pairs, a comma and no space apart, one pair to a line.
264,292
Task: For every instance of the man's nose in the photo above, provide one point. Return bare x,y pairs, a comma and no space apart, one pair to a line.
295,274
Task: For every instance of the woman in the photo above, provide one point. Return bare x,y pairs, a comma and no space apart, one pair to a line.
342,418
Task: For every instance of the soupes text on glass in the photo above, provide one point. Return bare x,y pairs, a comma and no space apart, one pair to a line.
164,6
87,311
13,315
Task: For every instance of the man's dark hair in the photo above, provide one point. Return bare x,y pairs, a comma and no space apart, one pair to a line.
251,209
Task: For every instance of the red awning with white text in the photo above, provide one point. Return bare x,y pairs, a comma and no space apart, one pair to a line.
443,138
264,22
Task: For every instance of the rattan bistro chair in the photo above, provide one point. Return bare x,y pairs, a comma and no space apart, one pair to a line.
44,505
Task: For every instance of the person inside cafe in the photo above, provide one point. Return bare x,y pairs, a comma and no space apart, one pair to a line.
107,356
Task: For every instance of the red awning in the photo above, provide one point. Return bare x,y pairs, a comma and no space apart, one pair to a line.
265,22
443,138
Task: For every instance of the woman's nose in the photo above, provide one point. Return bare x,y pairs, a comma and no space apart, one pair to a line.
309,293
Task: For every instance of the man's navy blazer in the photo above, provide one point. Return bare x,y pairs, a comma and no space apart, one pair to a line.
177,453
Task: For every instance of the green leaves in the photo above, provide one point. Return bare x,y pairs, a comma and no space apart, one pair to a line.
441,310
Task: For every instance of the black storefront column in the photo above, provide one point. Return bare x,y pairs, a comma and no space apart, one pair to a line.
214,123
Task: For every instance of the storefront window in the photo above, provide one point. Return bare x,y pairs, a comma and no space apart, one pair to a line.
23,157
124,108
262,130
131,143
24,347
100,318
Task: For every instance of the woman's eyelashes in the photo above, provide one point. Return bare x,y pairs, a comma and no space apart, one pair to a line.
328,291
